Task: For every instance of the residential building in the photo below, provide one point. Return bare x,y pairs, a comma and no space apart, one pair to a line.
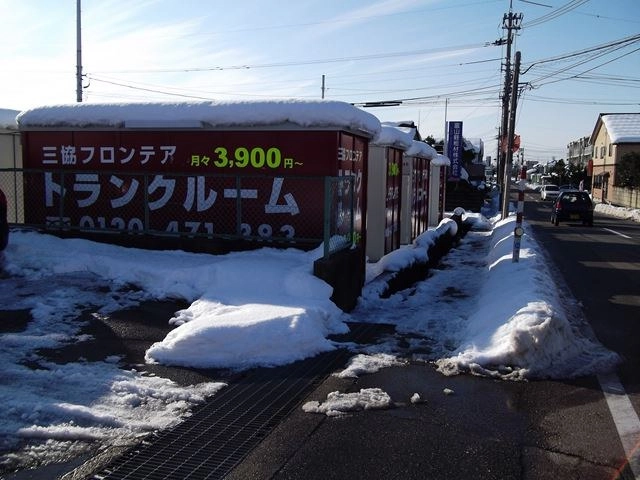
614,135
579,152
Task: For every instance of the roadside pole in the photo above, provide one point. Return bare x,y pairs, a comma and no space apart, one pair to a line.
519,231
511,22
510,137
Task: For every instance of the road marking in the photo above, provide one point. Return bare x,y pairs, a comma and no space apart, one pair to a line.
625,418
617,233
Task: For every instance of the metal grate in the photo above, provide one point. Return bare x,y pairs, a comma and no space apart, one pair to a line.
218,436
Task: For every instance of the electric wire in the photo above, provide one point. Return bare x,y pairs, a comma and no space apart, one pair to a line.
572,5
296,63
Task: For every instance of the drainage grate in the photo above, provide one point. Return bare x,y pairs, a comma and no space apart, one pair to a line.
218,436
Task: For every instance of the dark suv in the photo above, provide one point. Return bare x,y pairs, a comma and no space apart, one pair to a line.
573,205
4,226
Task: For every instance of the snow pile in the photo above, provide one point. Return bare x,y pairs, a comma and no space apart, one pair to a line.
619,212
341,403
407,255
364,364
244,336
523,331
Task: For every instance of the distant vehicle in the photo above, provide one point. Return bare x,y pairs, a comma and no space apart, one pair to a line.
4,226
549,192
567,188
573,205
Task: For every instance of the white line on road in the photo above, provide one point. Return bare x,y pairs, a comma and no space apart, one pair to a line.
625,418
617,233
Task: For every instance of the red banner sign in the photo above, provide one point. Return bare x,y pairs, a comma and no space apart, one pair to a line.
252,183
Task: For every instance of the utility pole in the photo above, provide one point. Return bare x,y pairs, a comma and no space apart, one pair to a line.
511,126
511,22
78,54
322,87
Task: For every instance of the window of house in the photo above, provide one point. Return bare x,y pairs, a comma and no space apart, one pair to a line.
610,149
597,181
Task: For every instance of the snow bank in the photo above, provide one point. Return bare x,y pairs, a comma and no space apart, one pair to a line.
520,327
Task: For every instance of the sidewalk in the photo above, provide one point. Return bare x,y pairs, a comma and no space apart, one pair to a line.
405,441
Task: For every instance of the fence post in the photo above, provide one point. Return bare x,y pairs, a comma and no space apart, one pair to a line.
146,204
326,220
238,206
62,195
518,231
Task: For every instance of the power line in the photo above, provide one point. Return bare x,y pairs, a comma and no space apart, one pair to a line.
621,42
578,101
376,56
167,91
591,69
572,5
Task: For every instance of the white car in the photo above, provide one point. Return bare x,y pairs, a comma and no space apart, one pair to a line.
549,192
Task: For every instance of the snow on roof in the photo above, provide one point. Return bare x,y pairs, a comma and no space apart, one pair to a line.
407,127
8,119
393,137
622,127
474,143
223,114
421,149
441,161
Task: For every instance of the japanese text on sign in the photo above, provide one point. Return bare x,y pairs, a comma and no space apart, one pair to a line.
243,157
162,189
106,155
454,149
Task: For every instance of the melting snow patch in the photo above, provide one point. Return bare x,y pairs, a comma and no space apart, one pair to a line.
340,403
361,364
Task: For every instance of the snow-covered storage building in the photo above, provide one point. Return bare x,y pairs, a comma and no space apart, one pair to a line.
421,195
212,176
385,190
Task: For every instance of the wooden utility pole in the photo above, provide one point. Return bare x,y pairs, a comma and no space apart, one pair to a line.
511,22
511,127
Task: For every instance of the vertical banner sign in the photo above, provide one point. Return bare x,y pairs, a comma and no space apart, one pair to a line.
454,149
392,202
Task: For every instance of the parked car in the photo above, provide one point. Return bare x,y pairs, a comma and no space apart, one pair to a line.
573,205
549,192
4,226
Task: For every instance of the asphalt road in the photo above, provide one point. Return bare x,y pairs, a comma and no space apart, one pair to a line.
601,265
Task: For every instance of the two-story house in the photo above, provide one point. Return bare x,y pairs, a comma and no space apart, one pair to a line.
614,135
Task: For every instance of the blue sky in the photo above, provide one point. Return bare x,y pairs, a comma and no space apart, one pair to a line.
426,50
